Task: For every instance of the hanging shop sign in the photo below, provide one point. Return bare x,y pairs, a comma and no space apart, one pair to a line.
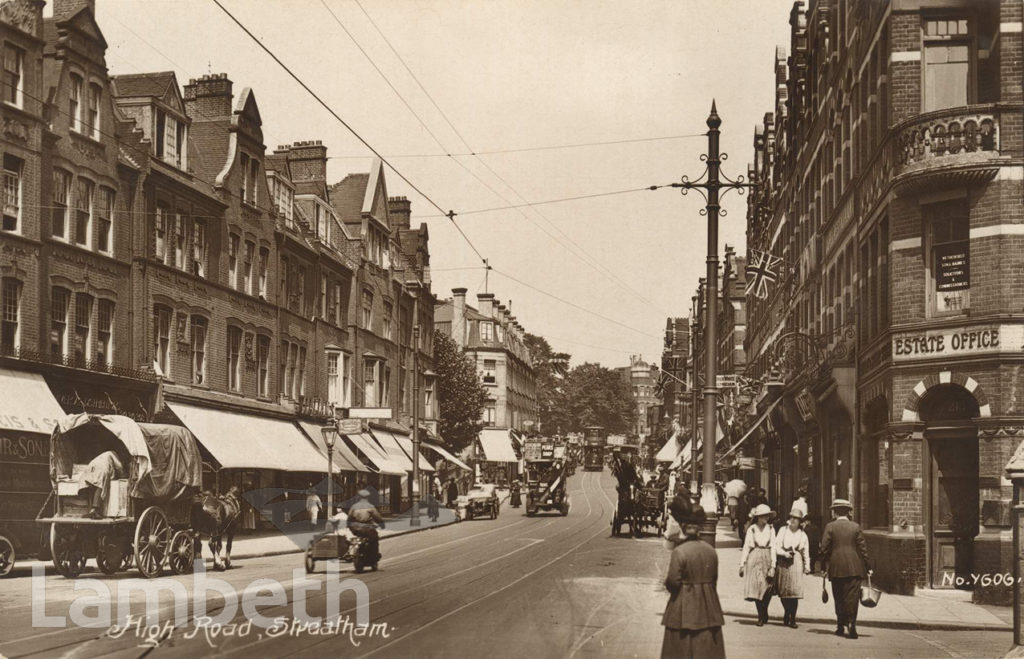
953,266
957,341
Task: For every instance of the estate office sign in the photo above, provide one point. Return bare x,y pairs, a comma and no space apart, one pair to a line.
958,341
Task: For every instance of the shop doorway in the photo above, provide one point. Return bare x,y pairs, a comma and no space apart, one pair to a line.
952,462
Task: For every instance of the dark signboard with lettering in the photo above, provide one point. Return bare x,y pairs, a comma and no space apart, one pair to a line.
78,397
25,483
953,266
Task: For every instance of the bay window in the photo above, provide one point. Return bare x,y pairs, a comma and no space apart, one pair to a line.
947,63
949,256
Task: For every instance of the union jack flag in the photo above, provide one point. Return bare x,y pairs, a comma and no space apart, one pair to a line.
761,272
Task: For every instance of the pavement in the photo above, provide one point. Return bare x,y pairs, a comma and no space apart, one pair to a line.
925,610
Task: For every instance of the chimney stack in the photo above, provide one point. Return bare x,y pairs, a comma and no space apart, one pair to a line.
400,210
487,303
63,9
208,97
459,317
310,158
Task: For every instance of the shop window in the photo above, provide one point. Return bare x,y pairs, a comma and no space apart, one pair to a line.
104,332
263,365
948,234
10,314
234,359
947,63
13,170
198,340
83,321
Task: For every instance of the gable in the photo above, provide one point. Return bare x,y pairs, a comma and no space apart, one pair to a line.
375,201
172,97
84,22
247,115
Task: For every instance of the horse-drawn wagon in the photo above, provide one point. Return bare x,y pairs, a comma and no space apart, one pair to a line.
146,518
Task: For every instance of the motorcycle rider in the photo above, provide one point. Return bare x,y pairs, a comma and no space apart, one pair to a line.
363,519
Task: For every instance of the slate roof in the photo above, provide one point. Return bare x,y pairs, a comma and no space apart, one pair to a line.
142,84
347,197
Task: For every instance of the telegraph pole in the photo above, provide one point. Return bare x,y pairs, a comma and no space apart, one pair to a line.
710,188
414,520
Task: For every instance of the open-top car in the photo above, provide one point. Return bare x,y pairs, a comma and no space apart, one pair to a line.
480,501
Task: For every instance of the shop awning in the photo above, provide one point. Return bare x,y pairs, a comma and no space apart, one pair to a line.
750,431
247,441
497,445
405,442
447,455
27,404
669,451
376,455
392,448
344,458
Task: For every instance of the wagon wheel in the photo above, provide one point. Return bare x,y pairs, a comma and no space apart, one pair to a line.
152,538
109,554
6,556
68,557
182,553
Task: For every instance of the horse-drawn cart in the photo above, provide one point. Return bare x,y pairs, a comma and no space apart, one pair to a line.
147,516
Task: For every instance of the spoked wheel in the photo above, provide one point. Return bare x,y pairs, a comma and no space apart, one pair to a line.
182,553
152,540
6,556
109,554
68,557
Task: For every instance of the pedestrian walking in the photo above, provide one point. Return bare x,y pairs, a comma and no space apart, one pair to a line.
433,504
845,553
313,506
792,559
693,618
757,562
453,492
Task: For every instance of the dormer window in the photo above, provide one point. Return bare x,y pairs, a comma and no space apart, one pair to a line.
171,140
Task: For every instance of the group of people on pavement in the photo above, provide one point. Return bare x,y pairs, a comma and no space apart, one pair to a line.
771,563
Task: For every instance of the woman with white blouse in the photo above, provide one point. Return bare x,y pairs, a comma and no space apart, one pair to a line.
792,560
757,561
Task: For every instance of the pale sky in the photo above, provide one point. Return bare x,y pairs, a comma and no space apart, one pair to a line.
510,74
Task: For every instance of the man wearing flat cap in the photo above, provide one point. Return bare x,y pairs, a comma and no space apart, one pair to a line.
363,520
845,554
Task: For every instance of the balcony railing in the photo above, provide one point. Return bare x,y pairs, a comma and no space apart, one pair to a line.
70,361
947,133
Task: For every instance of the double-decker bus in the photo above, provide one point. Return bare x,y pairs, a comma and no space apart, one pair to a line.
594,441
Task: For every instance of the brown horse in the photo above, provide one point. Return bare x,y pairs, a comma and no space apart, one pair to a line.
217,516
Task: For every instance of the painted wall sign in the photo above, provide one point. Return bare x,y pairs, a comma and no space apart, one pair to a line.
956,341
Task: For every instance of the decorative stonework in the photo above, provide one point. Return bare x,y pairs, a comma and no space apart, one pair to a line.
15,130
89,152
910,409
20,15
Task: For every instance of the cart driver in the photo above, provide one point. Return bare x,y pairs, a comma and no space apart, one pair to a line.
364,518
98,474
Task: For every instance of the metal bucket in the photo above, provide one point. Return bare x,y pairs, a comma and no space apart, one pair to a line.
869,595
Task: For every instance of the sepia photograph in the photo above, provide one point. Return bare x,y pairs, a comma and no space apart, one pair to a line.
512,328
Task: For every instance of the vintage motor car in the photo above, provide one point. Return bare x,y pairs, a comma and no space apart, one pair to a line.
480,501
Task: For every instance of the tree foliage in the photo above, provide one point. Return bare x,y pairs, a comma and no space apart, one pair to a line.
461,396
549,369
592,395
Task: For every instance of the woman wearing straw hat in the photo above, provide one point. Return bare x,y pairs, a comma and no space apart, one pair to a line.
693,618
792,562
757,561
846,554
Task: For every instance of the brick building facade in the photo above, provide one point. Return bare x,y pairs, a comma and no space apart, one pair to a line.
889,183
151,243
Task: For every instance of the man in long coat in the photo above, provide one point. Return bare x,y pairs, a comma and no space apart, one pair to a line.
845,552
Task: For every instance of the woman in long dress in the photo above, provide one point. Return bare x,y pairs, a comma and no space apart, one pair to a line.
792,562
693,618
757,561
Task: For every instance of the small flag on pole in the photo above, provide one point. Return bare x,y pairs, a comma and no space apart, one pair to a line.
760,273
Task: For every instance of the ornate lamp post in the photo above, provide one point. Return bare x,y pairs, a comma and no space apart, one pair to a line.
330,434
710,188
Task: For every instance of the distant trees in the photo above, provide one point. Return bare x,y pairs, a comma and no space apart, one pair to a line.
593,395
549,370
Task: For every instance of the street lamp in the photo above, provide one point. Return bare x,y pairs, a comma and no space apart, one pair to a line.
330,434
414,519
710,188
